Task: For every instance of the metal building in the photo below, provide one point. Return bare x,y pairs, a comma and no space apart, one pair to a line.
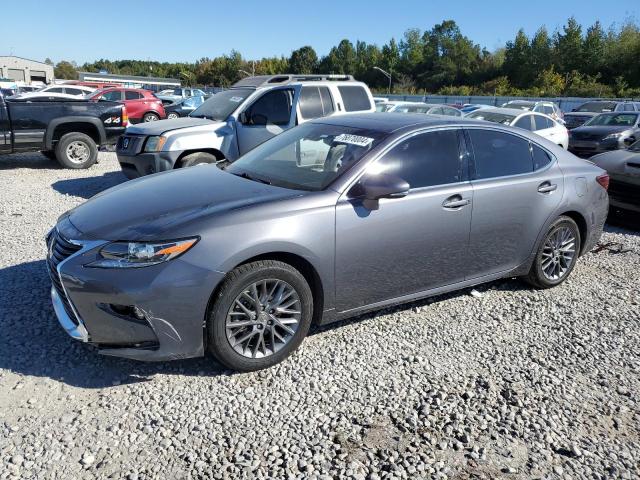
25,71
133,81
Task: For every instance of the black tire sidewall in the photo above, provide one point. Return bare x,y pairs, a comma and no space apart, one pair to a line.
238,279
538,275
63,143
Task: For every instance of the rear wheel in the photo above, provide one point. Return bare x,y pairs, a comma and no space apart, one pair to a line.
198,158
172,115
557,254
260,315
76,150
150,117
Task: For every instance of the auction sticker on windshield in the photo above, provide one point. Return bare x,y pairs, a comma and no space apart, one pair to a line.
353,140
236,99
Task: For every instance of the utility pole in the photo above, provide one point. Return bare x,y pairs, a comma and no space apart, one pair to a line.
386,74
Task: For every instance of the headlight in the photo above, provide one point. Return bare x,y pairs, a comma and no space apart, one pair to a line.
154,144
138,254
612,136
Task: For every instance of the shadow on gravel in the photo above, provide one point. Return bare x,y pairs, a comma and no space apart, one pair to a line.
31,160
33,343
88,187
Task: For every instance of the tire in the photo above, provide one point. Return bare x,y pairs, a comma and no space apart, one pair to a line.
549,261
150,117
198,158
76,150
172,115
260,350
50,154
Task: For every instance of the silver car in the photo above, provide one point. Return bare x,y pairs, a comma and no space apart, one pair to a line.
328,220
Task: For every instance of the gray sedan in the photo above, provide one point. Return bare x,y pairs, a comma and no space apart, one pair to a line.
328,220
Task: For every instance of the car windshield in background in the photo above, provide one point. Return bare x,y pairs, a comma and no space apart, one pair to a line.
613,120
495,117
520,105
222,104
597,107
384,107
309,157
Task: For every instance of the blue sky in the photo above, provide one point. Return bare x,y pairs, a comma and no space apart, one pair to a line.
188,30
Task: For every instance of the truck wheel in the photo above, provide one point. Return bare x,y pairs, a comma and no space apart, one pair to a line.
76,150
198,158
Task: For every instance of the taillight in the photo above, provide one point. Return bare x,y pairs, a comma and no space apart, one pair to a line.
603,180
125,115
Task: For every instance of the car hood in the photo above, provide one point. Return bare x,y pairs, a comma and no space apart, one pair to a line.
157,206
162,126
617,162
599,131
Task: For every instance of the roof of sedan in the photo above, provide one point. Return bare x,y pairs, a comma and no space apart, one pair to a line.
390,122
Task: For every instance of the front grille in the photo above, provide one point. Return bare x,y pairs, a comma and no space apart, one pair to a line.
132,143
59,250
624,192
586,136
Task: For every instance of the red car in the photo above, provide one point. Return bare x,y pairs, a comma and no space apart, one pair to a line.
142,105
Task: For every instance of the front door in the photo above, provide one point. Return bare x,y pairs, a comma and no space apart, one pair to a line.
267,116
516,187
409,244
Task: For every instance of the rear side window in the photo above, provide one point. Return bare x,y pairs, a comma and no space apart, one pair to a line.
540,157
525,123
498,154
311,103
542,122
425,160
354,98
327,101
131,95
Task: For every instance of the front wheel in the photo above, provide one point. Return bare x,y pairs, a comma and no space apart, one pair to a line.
198,158
260,315
557,254
76,150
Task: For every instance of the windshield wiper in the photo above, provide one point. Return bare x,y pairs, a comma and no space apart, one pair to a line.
249,177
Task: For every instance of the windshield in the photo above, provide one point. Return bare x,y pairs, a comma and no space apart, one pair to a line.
308,157
222,104
597,107
520,105
384,107
613,120
495,117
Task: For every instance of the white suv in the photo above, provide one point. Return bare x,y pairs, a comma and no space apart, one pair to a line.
234,121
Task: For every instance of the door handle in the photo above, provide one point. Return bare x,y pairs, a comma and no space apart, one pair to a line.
455,202
547,187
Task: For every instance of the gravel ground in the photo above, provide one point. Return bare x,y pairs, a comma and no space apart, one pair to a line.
501,382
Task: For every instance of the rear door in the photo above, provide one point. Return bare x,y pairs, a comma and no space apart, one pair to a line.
136,104
266,116
516,187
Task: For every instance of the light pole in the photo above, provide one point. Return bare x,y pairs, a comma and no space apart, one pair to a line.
386,74
245,72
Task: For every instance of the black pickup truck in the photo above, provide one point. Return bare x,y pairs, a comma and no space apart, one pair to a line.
68,130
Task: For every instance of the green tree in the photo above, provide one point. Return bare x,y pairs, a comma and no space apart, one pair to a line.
569,47
517,60
541,51
594,49
303,60
65,71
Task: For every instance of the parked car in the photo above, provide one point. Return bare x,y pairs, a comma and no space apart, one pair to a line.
298,231
142,105
179,94
623,167
472,107
182,108
548,108
604,132
69,130
538,123
418,107
378,100
578,116
59,91
234,121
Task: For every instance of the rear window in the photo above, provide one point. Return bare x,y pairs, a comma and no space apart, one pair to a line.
354,98
495,117
597,107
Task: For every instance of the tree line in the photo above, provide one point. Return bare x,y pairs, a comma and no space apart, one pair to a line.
572,61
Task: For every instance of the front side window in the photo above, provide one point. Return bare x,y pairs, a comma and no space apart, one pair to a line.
308,157
424,160
354,98
114,96
74,91
272,108
499,154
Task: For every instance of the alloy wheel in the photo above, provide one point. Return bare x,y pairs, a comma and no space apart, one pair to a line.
263,318
558,253
78,152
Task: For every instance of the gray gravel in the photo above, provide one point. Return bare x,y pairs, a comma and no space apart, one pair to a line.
506,383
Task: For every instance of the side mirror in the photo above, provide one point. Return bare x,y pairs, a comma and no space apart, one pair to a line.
375,187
